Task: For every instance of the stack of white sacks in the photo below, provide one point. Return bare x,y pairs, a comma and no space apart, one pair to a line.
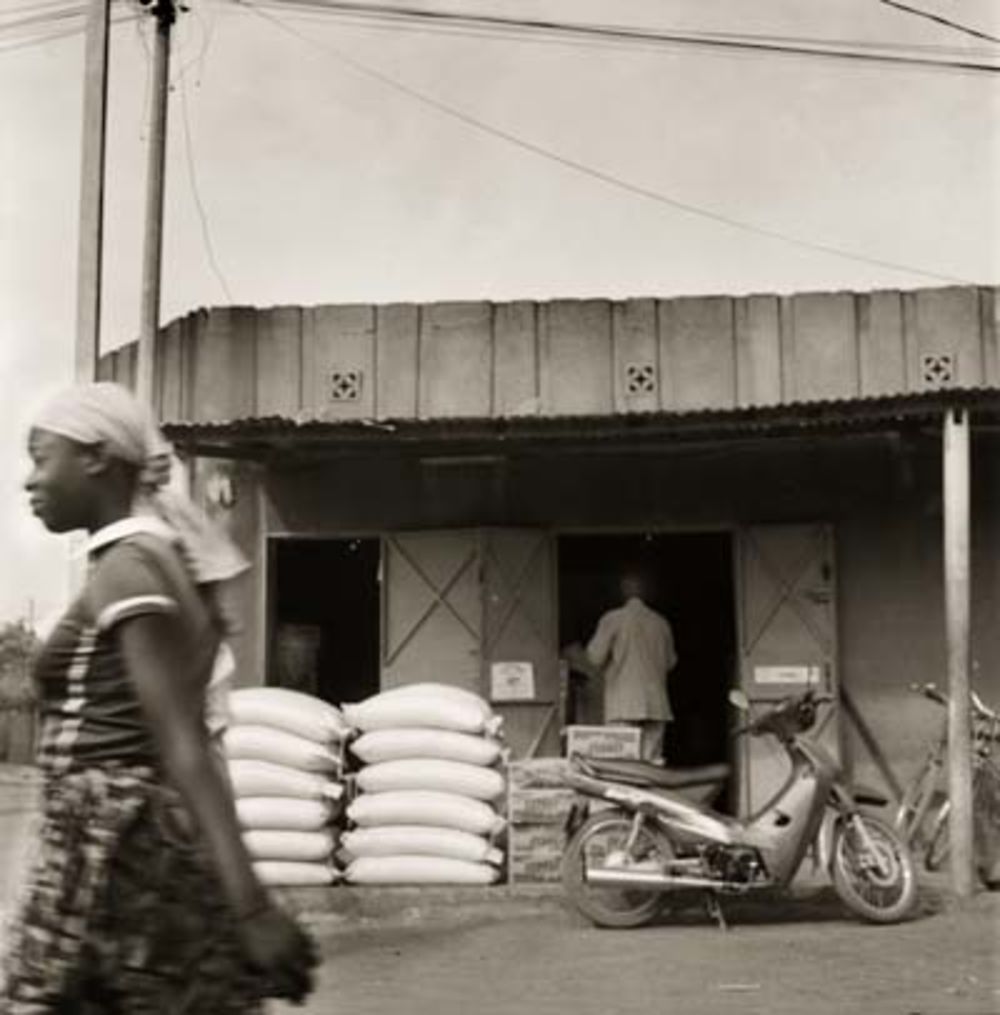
426,807
284,752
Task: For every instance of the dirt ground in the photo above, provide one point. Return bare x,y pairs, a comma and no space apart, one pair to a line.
799,956
475,953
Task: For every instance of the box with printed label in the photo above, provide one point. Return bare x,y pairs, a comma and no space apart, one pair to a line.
524,840
537,773
539,806
535,852
603,741
533,868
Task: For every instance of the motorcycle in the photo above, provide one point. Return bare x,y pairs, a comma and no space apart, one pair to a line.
655,835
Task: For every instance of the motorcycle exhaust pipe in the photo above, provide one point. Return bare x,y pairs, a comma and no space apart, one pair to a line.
624,877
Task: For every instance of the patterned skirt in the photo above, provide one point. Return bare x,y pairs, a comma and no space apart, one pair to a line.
122,912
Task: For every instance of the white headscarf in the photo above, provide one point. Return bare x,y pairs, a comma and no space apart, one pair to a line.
109,414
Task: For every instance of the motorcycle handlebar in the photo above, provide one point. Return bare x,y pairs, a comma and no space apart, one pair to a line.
770,721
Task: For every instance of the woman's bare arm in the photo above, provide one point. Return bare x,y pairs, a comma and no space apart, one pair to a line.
272,941
170,701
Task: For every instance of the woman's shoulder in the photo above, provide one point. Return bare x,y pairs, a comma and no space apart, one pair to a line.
141,569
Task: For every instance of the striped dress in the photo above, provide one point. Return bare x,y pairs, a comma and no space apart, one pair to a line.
122,911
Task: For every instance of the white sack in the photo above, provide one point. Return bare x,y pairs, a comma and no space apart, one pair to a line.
273,844
432,774
278,873
418,870
421,807
302,714
442,691
264,778
419,840
414,742
263,743
462,712
286,813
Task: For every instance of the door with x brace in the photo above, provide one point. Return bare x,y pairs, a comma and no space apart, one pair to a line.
431,608
521,625
788,640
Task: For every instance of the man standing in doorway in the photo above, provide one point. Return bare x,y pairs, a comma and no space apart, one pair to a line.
635,647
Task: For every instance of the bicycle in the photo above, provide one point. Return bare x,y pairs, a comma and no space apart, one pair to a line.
922,815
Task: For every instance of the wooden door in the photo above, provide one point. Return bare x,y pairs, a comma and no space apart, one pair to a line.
787,630
520,637
431,611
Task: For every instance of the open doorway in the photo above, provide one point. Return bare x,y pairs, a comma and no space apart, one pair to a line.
692,586
324,617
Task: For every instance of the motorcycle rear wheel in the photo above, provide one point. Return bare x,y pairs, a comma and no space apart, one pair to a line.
597,838
873,871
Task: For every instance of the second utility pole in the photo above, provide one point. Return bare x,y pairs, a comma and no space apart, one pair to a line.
149,322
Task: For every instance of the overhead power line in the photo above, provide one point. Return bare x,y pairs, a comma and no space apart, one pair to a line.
870,53
37,38
938,19
585,170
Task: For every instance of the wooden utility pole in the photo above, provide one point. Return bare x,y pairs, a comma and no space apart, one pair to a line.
957,608
149,323
90,242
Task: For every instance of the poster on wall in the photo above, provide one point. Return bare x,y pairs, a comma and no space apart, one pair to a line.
512,681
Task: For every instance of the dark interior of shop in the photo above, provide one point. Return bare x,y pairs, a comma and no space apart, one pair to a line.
324,625
691,583
325,622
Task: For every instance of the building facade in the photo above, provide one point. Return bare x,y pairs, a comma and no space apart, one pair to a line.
448,491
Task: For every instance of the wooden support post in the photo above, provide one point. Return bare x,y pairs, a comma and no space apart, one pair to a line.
957,608
89,244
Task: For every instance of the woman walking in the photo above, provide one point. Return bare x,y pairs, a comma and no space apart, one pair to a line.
142,898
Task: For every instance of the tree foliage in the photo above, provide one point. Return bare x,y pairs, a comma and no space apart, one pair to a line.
17,646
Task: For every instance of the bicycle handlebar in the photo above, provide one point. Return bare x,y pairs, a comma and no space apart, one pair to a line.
978,705
930,691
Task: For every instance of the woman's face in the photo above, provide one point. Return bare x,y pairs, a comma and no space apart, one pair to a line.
61,483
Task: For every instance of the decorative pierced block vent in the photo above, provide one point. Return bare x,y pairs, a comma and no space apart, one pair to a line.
937,369
640,378
345,385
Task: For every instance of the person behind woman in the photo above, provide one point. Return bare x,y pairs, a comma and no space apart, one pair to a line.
143,898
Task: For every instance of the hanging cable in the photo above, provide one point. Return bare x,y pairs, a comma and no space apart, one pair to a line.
938,19
206,233
66,33
510,31
762,45
585,170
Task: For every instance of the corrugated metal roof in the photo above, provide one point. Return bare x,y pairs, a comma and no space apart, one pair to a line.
264,433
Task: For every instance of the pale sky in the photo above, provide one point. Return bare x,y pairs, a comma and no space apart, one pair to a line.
320,184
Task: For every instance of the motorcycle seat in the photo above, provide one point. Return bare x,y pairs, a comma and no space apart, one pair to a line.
644,773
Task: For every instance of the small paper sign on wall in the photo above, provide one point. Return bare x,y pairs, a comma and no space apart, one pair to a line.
510,681
786,674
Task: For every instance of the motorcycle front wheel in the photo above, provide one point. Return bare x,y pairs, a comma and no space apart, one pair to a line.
604,837
873,871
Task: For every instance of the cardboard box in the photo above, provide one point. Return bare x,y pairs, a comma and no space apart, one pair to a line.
539,806
533,869
538,773
525,840
603,741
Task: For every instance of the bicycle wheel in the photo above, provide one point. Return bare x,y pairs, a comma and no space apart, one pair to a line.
910,817
985,828
986,823
601,840
939,838
872,870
